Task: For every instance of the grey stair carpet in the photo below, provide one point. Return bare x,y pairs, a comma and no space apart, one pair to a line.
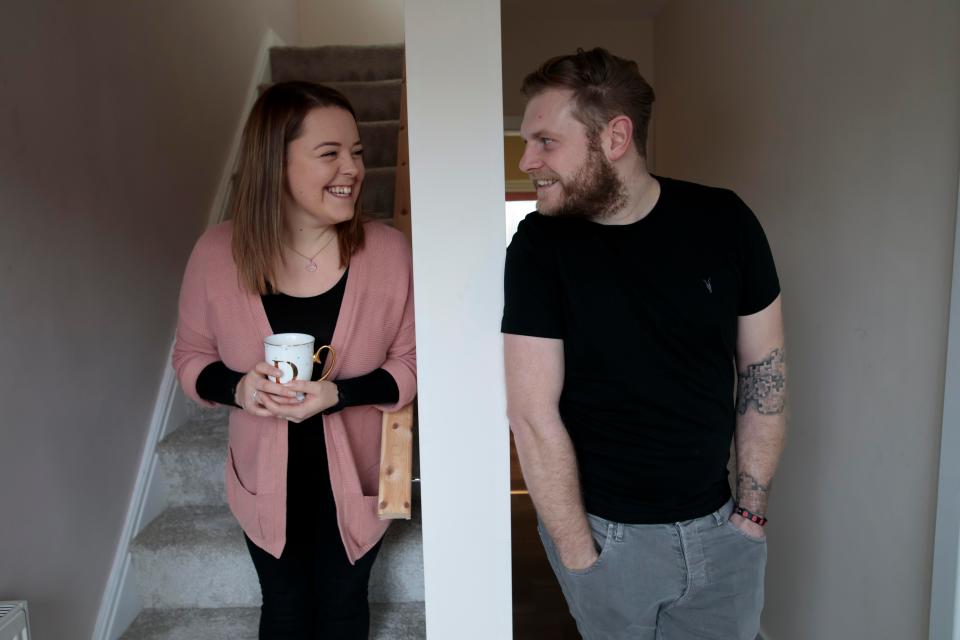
379,138
372,101
336,64
378,190
195,556
193,568
377,100
393,621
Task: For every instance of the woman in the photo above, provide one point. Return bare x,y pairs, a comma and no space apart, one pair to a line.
303,458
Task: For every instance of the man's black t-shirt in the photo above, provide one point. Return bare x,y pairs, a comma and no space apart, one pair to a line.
648,317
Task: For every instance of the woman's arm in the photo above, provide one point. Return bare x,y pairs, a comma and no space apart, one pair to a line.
195,346
376,387
401,362
195,350
218,383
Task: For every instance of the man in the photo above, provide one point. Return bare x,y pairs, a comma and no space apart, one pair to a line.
643,332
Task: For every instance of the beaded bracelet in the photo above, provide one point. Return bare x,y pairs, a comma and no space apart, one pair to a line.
749,515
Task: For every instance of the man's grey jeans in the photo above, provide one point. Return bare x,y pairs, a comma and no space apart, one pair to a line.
698,579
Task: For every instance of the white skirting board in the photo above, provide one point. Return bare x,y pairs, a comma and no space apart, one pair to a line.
945,581
121,600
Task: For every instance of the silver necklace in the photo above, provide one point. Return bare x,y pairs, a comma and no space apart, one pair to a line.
311,264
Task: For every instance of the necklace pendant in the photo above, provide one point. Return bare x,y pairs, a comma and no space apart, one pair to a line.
311,266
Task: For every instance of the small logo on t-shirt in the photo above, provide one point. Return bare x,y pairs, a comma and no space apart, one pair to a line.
708,285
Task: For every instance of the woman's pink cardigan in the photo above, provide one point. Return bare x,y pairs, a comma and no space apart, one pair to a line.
220,321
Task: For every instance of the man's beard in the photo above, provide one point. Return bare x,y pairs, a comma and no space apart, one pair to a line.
595,192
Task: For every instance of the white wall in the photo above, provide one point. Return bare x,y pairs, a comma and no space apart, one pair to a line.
839,124
350,22
116,119
456,182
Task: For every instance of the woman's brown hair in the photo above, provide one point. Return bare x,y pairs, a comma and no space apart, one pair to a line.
257,197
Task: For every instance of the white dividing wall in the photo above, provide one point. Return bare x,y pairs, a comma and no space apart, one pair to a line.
457,187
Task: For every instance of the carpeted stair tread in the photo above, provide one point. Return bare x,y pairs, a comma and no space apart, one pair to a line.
196,556
197,413
228,623
388,621
193,524
336,63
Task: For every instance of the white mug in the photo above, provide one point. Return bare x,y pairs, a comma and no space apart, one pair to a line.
293,354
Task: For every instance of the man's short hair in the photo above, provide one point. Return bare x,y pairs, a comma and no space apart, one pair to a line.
604,86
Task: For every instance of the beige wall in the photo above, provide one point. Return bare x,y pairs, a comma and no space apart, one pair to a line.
116,119
533,31
353,22
838,123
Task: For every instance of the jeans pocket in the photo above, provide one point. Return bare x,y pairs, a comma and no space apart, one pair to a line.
737,530
603,535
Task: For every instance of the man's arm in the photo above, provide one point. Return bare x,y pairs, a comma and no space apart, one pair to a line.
534,372
761,408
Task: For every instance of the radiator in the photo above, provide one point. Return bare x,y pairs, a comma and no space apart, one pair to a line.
14,624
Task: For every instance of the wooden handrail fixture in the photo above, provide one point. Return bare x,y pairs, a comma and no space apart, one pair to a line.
396,444
396,464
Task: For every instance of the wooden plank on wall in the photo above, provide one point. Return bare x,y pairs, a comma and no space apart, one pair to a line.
396,460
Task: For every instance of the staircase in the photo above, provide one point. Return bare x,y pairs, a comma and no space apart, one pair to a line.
195,576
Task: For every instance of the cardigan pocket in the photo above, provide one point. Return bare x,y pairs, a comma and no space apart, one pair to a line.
243,502
367,527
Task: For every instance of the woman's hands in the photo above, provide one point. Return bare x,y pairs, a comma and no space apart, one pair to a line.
255,387
294,401
317,397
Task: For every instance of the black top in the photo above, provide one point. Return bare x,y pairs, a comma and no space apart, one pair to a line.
648,317
317,316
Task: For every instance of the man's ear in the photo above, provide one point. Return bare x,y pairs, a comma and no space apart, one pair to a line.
619,137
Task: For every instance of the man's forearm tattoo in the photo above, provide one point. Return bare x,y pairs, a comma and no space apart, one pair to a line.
751,494
763,385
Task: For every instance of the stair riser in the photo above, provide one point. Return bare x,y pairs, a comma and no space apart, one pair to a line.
209,575
375,101
379,143
204,577
336,64
192,461
390,621
194,478
377,194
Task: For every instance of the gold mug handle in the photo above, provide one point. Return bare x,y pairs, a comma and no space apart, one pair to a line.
333,360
